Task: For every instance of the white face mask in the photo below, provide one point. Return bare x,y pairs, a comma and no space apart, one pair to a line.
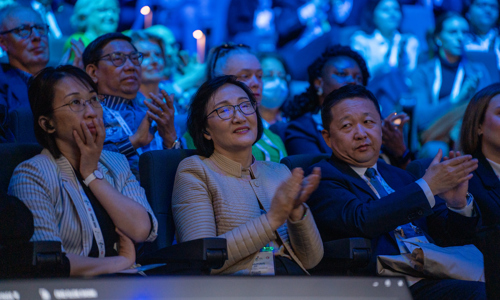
274,93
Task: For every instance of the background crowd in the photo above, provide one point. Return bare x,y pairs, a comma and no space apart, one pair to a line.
276,75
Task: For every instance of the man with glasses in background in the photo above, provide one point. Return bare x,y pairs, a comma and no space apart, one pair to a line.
23,36
115,65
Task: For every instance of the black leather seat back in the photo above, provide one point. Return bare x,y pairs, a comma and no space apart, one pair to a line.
157,170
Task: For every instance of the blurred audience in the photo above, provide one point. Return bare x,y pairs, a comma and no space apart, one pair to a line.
73,181
275,86
183,73
91,19
224,122
483,19
240,61
381,44
479,138
361,196
114,64
153,63
444,85
24,38
337,66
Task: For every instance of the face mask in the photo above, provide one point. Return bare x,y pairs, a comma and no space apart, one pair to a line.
274,93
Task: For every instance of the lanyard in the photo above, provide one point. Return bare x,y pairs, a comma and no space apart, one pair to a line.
96,229
393,56
436,87
123,124
120,120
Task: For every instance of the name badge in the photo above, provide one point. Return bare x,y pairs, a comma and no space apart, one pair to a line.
263,264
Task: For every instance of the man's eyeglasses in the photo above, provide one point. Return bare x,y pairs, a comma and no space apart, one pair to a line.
118,59
78,105
226,112
225,48
25,31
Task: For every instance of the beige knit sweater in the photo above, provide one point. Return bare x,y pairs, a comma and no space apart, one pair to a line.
215,196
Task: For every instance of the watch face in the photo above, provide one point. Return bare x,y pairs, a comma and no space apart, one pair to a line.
98,174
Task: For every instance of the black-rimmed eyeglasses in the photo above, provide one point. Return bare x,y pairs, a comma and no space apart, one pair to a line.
78,105
25,31
118,59
226,112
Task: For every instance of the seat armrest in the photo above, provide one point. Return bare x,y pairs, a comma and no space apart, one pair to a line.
355,249
208,252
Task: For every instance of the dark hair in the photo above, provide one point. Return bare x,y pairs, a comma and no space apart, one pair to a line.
440,21
309,101
93,51
41,93
470,141
367,24
346,92
218,56
197,115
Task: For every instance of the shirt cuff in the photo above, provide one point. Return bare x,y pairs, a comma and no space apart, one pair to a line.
468,210
427,190
126,148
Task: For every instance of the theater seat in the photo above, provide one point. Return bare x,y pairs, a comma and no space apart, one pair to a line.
11,155
341,256
20,258
157,171
21,125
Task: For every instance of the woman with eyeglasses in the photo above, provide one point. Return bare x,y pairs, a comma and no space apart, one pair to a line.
81,195
240,61
257,206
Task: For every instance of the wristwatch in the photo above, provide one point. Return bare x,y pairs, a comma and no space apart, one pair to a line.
94,175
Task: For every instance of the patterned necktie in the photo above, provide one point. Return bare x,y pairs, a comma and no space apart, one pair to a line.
371,173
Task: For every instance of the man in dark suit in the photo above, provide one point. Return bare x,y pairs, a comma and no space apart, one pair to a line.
360,196
23,36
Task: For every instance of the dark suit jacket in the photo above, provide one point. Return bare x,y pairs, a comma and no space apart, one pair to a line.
13,94
302,136
344,206
484,186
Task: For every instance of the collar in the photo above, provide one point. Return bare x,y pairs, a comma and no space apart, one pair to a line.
233,168
67,171
377,36
25,76
117,102
265,124
361,170
495,166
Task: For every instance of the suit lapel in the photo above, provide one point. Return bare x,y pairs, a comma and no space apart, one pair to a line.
353,176
488,177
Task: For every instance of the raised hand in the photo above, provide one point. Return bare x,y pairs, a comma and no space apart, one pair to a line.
90,145
449,179
288,198
163,113
392,133
142,136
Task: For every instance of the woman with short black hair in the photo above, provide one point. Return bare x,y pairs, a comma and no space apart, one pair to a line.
81,195
258,206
